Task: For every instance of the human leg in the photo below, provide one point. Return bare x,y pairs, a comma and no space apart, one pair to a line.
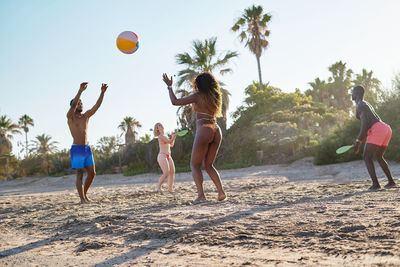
163,162
91,173
385,167
200,146
79,188
171,176
369,152
211,154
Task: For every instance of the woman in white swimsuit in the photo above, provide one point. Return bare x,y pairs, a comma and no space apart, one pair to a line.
164,157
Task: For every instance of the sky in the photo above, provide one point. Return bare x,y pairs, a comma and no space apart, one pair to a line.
49,47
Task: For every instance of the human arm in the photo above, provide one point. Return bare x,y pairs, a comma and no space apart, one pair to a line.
364,127
173,137
167,140
72,109
363,132
96,106
178,101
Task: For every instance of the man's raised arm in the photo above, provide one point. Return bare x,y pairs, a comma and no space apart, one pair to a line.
72,109
93,110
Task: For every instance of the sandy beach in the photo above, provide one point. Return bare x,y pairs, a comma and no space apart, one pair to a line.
293,215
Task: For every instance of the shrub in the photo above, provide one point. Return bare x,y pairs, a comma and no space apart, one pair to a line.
326,152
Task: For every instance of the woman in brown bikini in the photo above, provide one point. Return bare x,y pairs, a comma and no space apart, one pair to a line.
207,102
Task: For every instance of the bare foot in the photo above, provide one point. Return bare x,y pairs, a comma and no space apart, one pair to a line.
374,187
199,200
87,199
221,197
83,201
159,190
391,185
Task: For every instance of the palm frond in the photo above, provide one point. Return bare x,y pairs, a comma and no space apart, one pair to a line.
186,76
243,36
225,71
122,126
235,27
265,19
184,58
224,60
240,21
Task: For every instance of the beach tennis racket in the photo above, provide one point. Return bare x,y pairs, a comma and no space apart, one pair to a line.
182,133
344,149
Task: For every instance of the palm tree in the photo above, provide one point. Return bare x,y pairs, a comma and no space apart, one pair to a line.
319,91
371,85
205,58
339,84
127,126
43,146
254,33
7,130
24,122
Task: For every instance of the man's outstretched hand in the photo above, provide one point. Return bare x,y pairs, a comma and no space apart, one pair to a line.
104,87
356,147
83,87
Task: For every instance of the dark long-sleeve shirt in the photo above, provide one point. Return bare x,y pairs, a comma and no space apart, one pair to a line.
368,117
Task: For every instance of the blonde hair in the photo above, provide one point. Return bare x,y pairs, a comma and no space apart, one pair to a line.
207,87
156,132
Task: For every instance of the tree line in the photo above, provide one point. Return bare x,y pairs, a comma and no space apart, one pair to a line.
271,126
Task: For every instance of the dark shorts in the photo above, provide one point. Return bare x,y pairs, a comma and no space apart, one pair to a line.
81,156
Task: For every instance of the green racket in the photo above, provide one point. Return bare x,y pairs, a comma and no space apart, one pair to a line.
182,133
344,149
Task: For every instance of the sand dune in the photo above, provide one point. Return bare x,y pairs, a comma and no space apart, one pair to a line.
275,215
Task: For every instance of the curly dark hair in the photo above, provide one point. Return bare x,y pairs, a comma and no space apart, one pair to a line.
208,88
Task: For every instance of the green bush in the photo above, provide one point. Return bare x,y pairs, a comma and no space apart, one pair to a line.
389,112
182,166
325,153
13,167
31,166
136,168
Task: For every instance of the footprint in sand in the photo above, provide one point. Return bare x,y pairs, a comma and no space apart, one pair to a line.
395,225
379,237
353,228
334,223
83,246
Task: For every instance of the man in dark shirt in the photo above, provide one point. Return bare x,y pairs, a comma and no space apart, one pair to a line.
378,135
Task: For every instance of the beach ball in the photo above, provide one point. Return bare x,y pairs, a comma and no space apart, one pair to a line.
128,42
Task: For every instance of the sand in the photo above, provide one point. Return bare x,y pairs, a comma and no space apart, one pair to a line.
293,215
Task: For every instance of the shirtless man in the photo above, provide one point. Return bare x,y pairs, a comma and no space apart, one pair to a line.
81,154
378,135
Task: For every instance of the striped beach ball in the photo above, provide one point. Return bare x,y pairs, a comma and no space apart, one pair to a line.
128,42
